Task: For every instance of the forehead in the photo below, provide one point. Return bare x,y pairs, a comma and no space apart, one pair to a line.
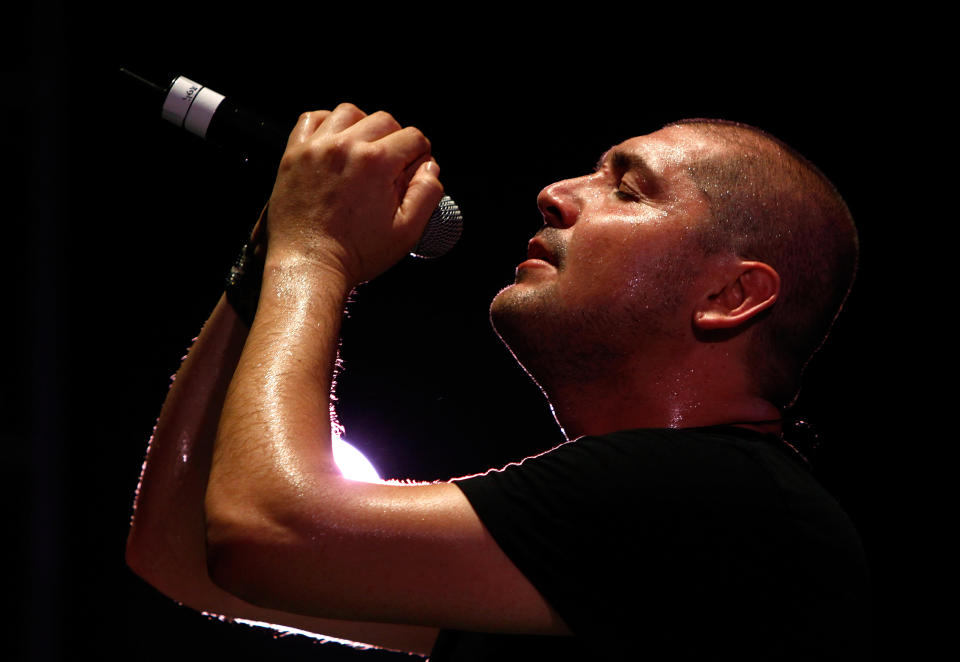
665,153
662,161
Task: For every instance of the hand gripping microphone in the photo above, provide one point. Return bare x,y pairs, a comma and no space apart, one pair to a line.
217,119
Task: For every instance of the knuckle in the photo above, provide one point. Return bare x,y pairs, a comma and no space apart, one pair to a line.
373,153
338,148
349,109
418,136
386,119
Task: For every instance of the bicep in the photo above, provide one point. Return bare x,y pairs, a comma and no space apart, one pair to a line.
406,554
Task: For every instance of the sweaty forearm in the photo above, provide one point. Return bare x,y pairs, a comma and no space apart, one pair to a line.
274,440
166,543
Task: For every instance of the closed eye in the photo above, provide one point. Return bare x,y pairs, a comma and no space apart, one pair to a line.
634,178
624,192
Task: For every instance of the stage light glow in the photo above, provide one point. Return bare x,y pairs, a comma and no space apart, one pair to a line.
352,463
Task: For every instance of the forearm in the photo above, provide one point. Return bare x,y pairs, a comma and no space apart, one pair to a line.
274,440
166,543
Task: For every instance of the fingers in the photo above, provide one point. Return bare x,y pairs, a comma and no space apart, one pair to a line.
409,144
325,122
360,184
343,117
422,195
307,126
397,147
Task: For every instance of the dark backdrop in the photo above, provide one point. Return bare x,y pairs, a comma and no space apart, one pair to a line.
120,229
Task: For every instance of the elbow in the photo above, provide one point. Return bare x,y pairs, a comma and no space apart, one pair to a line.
243,550
266,557
226,570
230,565
261,543
229,540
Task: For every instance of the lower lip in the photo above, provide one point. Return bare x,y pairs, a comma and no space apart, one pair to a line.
532,263
527,268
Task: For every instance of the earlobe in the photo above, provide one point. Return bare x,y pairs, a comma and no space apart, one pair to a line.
753,289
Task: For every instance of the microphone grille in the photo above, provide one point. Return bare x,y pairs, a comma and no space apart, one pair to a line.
442,231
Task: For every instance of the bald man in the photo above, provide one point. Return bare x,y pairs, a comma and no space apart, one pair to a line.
667,310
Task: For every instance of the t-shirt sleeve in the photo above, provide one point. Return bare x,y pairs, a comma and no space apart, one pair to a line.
607,528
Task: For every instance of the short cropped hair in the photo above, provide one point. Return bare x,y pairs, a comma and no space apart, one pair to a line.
768,203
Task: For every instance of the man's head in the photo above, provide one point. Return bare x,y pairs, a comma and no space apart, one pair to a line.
628,254
768,203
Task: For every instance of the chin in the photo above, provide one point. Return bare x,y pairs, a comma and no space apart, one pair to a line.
503,308
521,320
514,306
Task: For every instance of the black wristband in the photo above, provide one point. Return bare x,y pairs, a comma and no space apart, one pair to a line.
243,284
246,275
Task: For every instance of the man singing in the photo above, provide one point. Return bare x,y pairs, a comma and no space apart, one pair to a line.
667,310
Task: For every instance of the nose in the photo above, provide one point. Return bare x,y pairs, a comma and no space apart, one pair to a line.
559,204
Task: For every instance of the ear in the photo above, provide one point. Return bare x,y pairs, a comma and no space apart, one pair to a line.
749,289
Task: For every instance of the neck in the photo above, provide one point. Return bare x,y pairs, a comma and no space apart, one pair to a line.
675,398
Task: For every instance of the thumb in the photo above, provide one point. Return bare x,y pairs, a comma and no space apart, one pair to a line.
422,196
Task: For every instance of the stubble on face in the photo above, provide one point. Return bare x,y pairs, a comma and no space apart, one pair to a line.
554,340
616,293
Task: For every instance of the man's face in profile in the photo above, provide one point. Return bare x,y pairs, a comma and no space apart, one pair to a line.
618,252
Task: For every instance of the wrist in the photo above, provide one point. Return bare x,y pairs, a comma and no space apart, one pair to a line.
292,276
324,263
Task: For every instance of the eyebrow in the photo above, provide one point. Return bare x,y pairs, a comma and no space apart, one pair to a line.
623,161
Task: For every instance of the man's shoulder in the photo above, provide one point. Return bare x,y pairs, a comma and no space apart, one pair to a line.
712,449
729,469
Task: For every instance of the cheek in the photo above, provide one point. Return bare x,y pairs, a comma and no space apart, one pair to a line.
614,256
603,243
628,268
600,272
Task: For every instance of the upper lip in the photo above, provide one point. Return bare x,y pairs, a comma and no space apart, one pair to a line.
537,250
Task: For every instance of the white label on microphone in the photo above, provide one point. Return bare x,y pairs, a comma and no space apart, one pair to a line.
190,105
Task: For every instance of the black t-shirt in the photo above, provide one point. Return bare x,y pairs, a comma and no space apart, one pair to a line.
710,543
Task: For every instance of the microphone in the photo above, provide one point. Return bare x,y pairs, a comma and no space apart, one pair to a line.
220,121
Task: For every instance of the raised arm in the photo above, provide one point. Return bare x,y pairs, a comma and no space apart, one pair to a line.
284,529
166,545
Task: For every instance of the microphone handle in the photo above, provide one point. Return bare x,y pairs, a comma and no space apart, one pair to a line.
217,119
232,122
220,121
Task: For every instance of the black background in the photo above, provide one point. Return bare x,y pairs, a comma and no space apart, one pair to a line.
120,229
